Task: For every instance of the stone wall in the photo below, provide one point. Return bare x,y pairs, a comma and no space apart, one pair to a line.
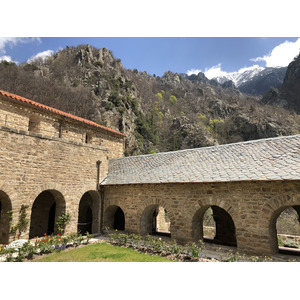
28,118
253,207
31,164
52,162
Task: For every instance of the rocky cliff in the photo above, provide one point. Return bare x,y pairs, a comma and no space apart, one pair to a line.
287,95
157,114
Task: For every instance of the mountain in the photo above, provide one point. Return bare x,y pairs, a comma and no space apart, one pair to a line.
287,95
157,114
256,80
241,76
260,83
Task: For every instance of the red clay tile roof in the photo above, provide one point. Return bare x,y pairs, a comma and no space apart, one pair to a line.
56,111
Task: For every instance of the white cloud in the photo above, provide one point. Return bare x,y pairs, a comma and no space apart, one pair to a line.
13,41
210,73
7,58
6,41
193,71
214,71
281,55
41,55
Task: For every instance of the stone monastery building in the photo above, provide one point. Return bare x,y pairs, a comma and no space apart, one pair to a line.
55,162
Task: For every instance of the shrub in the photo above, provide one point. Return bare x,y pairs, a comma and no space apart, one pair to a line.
290,244
98,64
280,242
173,99
108,106
62,222
22,224
115,98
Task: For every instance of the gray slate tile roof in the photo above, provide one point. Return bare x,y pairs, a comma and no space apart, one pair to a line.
265,159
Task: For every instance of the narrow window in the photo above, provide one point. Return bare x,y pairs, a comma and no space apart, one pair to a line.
34,124
60,130
88,138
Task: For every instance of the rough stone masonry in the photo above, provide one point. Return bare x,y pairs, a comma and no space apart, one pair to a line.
56,162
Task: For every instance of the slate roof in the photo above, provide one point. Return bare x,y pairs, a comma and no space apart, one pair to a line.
56,111
265,159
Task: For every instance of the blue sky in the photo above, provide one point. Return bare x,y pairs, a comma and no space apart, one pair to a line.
160,54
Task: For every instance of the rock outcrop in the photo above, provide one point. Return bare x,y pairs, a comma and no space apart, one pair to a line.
288,94
171,112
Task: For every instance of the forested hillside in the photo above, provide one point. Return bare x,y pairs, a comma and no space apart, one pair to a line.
156,113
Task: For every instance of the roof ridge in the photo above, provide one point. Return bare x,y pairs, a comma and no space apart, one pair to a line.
57,111
209,147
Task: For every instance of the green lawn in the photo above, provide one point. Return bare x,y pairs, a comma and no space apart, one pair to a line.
101,252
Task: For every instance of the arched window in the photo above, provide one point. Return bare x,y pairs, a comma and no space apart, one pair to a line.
156,221
88,210
288,230
5,206
214,224
114,218
47,207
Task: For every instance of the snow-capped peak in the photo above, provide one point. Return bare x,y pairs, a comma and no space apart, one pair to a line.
240,76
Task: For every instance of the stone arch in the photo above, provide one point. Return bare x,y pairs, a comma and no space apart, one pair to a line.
148,219
5,206
225,225
210,201
114,218
272,222
11,193
268,217
48,186
88,213
46,208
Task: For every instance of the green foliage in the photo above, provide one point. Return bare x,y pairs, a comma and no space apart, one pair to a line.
43,245
144,129
128,85
115,98
175,248
194,250
290,244
22,223
167,218
260,259
151,152
279,240
98,64
62,222
173,99
109,106
30,67
159,96
6,64
202,118
121,110
102,252
230,257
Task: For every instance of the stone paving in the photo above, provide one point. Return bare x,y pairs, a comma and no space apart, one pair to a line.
265,159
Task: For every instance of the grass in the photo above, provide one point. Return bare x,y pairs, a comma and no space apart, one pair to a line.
101,252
